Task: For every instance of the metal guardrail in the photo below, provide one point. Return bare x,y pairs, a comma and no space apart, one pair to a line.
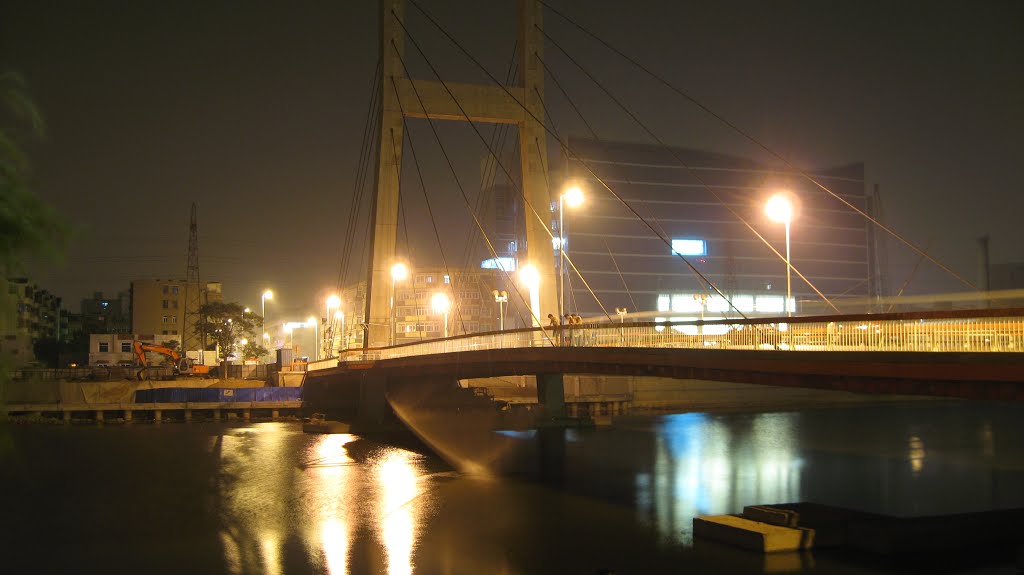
954,331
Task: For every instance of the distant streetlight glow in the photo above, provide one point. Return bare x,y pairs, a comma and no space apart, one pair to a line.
313,323
780,209
398,273
263,311
333,302
441,304
573,196
501,298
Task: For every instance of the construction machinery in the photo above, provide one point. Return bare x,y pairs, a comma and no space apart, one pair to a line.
182,365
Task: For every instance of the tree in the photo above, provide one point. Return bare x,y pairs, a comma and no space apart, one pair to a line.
225,323
27,225
172,344
253,350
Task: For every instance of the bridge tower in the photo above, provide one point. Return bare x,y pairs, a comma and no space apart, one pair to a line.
481,103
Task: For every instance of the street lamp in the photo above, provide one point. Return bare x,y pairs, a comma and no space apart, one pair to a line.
263,309
573,196
398,273
313,323
333,302
780,209
344,337
501,297
530,277
441,304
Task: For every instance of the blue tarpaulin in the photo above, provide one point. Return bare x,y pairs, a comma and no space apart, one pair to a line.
217,394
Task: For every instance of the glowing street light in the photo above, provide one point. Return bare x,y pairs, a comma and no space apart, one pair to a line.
573,196
313,323
340,315
333,302
398,273
501,298
441,304
530,277
780,209
263,309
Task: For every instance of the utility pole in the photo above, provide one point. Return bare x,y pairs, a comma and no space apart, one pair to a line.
193,289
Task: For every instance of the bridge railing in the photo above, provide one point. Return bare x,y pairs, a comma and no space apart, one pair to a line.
953,331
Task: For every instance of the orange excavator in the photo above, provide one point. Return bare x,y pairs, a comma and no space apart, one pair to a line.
182,365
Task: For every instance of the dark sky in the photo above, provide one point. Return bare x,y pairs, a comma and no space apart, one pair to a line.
255,111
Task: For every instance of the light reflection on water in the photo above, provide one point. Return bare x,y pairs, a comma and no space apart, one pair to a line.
704,466
326,498
267,498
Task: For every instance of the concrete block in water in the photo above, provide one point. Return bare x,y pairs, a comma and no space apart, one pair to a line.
752,535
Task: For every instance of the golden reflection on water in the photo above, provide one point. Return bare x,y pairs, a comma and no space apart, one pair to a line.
703,466
915,452
267,500
328,471
398,488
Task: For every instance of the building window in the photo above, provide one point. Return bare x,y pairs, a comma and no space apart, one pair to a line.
165,304
174,290
174,319
174,304
164,332
126,346
447,280
104,347
174,332
689,247
165,290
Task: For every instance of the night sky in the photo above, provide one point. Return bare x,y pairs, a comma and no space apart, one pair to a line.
255,111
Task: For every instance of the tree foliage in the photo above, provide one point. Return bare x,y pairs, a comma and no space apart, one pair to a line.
27,225
226,323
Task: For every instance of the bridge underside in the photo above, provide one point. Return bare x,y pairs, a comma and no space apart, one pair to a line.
980,376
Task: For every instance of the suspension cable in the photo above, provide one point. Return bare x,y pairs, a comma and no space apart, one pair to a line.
757,143
568,150
360,179
686,165
451,167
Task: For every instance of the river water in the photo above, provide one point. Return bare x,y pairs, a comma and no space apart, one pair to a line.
267,498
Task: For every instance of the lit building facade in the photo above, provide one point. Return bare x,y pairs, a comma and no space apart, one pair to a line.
158,305
627,265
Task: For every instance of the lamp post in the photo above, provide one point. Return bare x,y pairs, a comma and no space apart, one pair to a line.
441,304
574,197
263,310
312,322
344,336
780,209
501,297
333,302
398,272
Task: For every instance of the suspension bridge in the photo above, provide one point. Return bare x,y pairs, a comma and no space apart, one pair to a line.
972,353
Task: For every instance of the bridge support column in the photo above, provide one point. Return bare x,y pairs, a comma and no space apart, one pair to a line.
372,411
551,394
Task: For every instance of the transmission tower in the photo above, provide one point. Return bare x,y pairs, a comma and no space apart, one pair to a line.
193,289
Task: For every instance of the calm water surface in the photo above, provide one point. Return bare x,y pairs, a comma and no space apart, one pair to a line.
267,498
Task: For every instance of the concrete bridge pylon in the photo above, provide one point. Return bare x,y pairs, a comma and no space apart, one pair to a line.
481,103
